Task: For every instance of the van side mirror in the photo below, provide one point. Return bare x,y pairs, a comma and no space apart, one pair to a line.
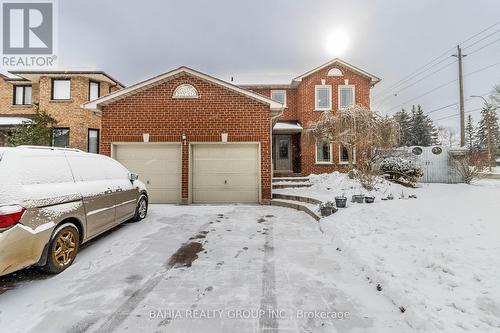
133,176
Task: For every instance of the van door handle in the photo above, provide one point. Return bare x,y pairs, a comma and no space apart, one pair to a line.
108,191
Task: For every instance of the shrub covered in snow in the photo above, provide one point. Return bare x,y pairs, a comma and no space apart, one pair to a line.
401,169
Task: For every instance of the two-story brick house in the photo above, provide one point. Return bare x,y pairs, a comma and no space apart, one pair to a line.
329,87
60,94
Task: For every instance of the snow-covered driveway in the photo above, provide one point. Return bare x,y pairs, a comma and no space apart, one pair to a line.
258,269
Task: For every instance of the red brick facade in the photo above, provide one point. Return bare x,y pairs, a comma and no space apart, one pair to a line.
216,110
300,102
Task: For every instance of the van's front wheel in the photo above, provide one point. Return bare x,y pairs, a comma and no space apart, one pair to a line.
142,208
62,248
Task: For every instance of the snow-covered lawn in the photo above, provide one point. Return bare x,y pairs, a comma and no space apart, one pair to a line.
437,256
251,258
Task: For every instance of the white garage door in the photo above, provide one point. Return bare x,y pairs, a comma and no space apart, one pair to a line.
225,173
158,166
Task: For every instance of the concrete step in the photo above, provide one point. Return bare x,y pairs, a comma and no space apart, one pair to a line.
296,198
300,206
290,179
291,185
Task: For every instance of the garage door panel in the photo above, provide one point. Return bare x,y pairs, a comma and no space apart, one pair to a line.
225,152
225,173
163,195
221,166
158,181
160,152
154,166
207,196
220,180
158,166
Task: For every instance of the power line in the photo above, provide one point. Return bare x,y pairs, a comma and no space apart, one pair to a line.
482,47
453,104
480,40
423,78
456,115
442,86
416,72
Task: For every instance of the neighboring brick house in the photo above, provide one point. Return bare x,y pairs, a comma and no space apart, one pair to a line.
331,86
191,138
60,94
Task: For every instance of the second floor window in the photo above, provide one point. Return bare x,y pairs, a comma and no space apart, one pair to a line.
279,96
94,90
22,95
346,96
323,96
61,89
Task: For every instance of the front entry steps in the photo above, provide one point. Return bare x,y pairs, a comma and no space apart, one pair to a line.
304,204
290,182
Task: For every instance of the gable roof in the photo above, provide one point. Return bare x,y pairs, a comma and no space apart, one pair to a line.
97,104
374,79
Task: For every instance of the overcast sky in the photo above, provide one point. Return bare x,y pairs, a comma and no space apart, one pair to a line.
273,41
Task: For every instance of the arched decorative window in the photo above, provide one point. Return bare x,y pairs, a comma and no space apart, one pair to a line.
335,72
185,91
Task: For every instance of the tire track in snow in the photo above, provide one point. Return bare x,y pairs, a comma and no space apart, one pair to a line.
268,304
115,319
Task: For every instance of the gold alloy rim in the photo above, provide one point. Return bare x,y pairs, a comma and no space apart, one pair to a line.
65,248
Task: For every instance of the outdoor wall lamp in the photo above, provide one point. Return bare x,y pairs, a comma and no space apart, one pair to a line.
184,137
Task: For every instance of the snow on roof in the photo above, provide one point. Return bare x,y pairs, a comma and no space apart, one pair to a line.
287,126
6,121
96,104
374,79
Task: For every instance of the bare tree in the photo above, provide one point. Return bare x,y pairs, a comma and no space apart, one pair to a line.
447,136
469,164
357,127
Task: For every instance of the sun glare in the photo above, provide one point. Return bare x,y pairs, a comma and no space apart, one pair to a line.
337,43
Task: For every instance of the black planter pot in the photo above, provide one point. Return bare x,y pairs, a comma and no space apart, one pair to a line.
358,198
326,211
340,202
369,199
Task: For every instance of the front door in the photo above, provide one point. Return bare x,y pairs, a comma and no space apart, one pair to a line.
283,153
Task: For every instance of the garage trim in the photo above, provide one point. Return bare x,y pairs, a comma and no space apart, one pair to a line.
191,161
125,143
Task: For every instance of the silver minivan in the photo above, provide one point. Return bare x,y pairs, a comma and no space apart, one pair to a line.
52,200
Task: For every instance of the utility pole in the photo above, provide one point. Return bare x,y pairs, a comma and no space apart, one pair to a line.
459,56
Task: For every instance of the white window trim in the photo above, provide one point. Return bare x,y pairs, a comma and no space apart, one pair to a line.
353,156
189,86
316,154
279,91
353,94
317,108
53,92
